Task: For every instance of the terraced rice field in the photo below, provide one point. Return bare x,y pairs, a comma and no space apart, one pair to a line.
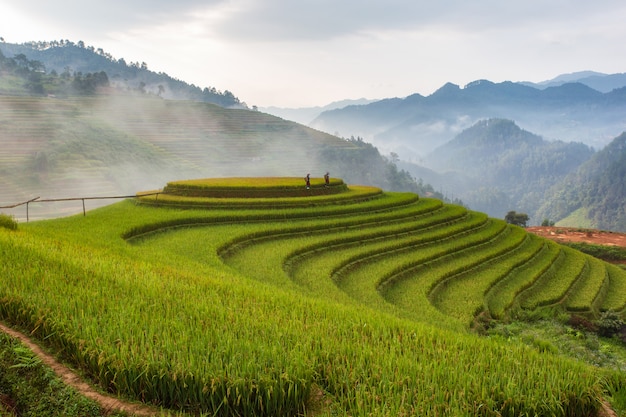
339,300
450,261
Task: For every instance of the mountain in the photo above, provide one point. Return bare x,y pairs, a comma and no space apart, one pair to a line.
306,115
495,166
65,57
604,83
414,126
595,194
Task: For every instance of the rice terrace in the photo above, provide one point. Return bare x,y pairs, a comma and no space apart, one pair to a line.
260,297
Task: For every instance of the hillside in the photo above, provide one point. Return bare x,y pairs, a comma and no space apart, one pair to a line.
414,126
495,166
337,300
593,195
69,58
114,144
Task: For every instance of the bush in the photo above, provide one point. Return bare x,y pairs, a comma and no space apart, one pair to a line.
609,323
8,221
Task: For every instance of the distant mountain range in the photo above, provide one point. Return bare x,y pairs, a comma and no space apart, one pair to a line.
414,126
603,83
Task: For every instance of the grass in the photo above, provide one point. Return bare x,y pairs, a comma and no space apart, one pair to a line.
244,311
29,388
8,221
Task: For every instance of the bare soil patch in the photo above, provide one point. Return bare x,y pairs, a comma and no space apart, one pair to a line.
578,235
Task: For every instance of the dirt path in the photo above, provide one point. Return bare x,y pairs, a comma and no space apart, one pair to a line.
108,403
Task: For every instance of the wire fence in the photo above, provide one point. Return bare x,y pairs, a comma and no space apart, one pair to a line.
54,200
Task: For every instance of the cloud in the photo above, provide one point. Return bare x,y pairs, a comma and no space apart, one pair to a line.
322,20
316,51
100,16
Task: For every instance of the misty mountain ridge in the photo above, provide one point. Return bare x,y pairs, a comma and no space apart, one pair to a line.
495,166
414,126
601,82
596,80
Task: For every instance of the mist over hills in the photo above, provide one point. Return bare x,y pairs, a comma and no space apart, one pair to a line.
495,166
116,144
414,126
66,135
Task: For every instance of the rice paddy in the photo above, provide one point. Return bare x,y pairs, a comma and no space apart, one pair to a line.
353,302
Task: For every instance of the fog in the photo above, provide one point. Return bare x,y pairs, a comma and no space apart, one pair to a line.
120,144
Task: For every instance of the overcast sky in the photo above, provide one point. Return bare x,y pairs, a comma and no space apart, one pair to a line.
294,53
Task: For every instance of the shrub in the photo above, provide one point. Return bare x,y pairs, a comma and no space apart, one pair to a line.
8,221
609,323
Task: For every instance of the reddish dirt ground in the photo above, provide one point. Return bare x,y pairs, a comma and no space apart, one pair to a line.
575,234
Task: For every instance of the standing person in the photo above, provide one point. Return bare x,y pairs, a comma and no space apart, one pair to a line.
327,179
307,179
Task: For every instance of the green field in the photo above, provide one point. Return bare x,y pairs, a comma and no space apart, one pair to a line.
355,303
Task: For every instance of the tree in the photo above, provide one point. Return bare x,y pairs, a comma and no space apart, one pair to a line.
518,219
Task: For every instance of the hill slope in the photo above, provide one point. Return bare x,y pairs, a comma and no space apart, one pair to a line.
115,144
65,57
494,166
596,191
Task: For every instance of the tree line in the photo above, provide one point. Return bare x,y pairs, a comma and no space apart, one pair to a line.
37,82
130,76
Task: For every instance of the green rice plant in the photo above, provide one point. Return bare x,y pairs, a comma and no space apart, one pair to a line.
358,270
584,293
178,328
403,220
267,256
502,295
553,285
463,295
220,198
254,187
615,298
178,218
430,267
